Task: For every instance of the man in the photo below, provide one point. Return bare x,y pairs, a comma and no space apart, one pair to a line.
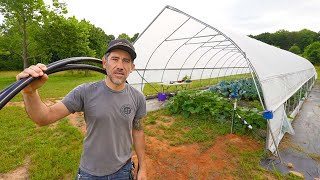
112,111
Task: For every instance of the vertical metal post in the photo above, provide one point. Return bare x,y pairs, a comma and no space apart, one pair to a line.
235,96
234,114
269,115
300,94
289,107
273,139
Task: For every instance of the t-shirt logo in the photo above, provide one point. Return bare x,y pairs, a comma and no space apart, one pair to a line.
126,110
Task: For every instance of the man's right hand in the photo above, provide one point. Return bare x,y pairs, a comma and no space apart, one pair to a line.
34,71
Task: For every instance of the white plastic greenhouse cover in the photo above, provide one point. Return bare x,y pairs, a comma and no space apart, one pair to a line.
176,44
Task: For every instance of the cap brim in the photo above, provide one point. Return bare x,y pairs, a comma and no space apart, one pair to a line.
125,48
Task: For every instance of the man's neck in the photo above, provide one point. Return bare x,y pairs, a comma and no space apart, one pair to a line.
113,86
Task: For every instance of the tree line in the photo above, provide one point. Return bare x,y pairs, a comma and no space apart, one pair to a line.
305,43
34,32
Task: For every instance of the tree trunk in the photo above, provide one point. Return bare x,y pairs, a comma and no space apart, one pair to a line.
25,46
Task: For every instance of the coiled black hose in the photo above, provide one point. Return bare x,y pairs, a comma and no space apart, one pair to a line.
62,65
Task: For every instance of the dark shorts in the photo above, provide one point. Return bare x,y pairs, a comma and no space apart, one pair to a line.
125,173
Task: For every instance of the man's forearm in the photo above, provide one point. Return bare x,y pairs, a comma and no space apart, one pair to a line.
139,145
35,108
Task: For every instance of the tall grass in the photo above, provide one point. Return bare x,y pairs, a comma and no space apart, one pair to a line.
318,70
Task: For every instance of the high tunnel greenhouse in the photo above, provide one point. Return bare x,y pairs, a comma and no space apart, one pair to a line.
176,44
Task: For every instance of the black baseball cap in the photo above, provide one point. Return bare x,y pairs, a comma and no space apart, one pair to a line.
122,44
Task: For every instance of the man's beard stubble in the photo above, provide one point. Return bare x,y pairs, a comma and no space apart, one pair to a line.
115,80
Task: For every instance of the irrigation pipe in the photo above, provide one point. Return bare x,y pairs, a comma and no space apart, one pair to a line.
62,65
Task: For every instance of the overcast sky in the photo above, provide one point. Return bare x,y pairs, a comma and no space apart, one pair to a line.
243,16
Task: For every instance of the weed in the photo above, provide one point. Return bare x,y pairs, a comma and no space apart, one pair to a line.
150,120
214,157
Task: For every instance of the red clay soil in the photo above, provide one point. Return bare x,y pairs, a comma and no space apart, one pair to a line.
77,121
190,162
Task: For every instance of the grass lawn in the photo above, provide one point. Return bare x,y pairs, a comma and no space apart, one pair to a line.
54,151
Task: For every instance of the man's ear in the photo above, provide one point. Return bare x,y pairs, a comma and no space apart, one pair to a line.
133,66
104,62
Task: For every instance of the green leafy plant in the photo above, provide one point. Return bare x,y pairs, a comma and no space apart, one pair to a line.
211,106
253,117
246,89
186,78
200,103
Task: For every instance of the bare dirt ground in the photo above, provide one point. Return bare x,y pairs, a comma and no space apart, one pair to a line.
17,174
191,162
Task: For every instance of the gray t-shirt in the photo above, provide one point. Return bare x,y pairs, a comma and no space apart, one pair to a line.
109,117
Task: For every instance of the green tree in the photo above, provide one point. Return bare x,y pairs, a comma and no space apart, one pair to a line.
65,38
110,38
127,37
305,37
312,52
59,8
11,45
264,37
97,41
283,38
8,60
11,40
134,38
124,36
295,49
22,14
